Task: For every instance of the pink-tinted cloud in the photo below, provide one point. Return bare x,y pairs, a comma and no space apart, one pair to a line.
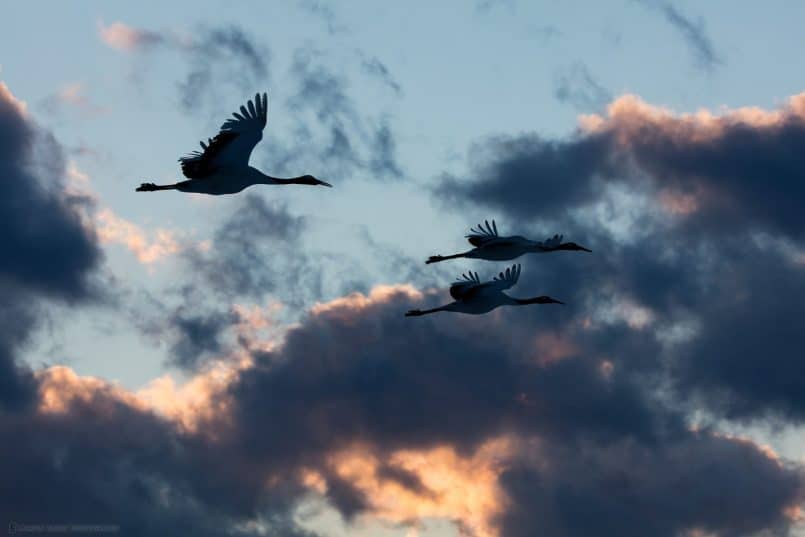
74,96
121,36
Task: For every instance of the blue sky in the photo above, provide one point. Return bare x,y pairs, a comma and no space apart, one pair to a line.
446,82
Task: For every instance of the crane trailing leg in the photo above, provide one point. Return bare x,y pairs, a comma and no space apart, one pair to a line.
437,258
417,313
151,187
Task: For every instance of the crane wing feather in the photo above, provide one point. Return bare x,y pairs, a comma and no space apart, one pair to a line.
506,279
552,242
233,145
460,288
483,235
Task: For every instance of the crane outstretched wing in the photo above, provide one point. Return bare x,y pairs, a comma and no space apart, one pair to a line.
480,236
461,288
507,278
232,146
552,243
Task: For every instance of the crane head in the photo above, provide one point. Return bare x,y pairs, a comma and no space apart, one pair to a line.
538,300
310,180
573,246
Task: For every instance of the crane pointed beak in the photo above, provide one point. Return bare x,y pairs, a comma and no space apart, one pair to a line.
325,183
585,249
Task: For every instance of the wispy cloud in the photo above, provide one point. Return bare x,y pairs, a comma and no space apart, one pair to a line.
374,67
73,96
576,86
217,55
325,13
121,36
694,32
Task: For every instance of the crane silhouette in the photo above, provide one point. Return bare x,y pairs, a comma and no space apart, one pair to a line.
222,167
475,297
491,246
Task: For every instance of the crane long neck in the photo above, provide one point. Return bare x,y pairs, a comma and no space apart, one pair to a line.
527,301
301,180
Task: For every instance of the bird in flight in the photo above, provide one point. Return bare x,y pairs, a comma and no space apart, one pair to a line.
491,246
222,167
475,297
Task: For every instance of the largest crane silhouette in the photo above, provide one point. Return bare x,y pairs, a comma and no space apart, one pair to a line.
475,297
222,167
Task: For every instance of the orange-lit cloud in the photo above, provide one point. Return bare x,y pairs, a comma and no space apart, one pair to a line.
630,118
200,399
359,301
60,387
6,95
460,488
164,243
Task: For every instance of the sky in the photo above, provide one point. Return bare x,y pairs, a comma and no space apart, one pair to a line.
176,363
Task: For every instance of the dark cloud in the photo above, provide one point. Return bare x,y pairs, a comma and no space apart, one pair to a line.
49,255
629,490
198,334
530,176
744,362
607,452
745,175
712,251
693,32
576,86
102,461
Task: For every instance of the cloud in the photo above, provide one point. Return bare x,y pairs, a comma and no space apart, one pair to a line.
222,55
121,36
680,488
576,86
738,164
693,219
374,67
693,32
328,132
50,256
325,13
329,136
218,56
351,409
73,96
165,243
256,252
